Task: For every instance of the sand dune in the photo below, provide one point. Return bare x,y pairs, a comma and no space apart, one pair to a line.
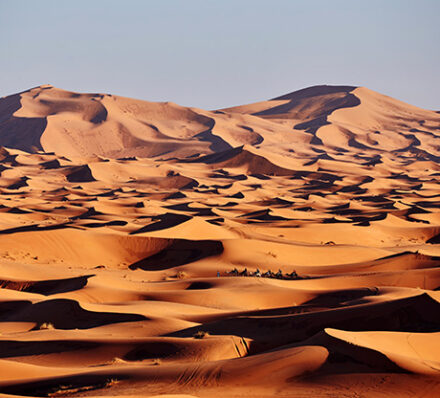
288,247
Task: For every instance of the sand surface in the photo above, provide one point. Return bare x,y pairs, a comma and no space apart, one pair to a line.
122,223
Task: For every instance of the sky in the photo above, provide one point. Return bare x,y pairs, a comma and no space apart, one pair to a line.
213,54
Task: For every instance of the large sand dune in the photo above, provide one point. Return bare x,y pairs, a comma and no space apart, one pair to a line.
287,247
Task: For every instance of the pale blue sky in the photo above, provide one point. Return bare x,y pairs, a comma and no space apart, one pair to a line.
213,54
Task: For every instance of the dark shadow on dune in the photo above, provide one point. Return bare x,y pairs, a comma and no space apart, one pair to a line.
216,221
175,195
352,142
237,195
412,314
80,174
33,227
312,127
329,99
19,132
421,154
9,307
18,210
324,94
374,199
314,91
179,252
51,164
3,168
100,115
345,212
198,211
262,215
414,141
369,218
48,287
333,220
217,143
345,357
339,207
434,240
235,177
164,221
115,223
315,159
199,285
258,139
62,314
322,186
316,175
409,255
158,349
22,182
90,213
217,157
7,158
14,348
372,160
339,298
354,188
404,177
191,185
275,202
260,176
428,205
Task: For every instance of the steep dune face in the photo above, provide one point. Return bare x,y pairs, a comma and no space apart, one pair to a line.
353,119
382,124
306,105
17,132
285,247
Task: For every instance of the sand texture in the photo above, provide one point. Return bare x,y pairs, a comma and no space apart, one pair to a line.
285,248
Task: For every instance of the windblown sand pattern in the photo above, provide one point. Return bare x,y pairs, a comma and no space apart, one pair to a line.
122,221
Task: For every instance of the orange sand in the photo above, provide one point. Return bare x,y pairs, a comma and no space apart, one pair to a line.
117,214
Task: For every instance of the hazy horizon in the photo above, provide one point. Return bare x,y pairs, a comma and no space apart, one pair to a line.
217,54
